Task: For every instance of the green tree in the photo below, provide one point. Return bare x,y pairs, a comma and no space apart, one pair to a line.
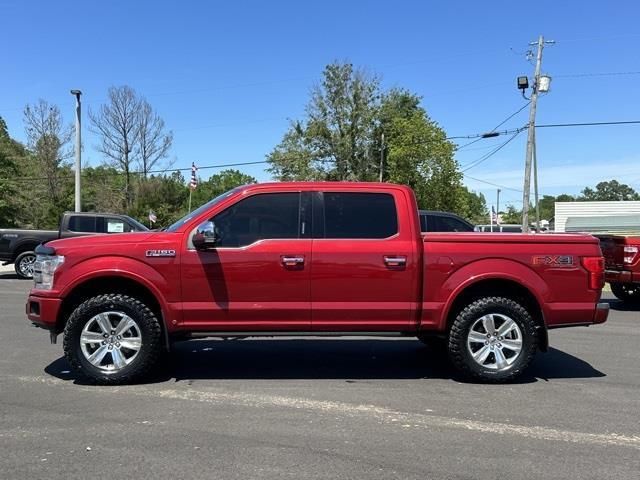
334,142
341,138
166,195
512,215
11,152
419,155
217,184
476,207
609,191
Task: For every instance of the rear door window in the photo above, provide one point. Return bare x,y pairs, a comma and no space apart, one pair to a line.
82,223
359,215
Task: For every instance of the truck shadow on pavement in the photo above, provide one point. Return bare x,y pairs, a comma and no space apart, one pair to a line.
10,276
350,360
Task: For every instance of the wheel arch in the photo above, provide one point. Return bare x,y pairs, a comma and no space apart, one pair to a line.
500,287
24,246
112,283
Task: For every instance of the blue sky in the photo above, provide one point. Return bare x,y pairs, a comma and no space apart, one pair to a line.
226,76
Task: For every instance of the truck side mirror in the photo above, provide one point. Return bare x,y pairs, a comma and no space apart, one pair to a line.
205,237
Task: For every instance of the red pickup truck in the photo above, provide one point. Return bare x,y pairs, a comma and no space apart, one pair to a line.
622,264
313,259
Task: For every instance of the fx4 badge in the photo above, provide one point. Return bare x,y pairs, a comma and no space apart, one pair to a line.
553,260
161,253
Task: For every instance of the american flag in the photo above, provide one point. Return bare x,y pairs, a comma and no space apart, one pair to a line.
152,216
194,181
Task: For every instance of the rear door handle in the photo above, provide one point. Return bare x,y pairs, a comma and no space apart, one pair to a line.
292,260
395,260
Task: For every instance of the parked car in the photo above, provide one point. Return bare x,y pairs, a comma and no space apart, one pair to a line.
501,228
17,245
433,221
321,259
622,265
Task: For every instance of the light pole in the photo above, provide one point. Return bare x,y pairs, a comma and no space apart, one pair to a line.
77,94
540,85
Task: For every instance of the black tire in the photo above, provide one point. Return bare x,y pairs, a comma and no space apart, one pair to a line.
467,318
149,332
627,292
23,265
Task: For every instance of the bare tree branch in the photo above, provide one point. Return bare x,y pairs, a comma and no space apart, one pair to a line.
117,123
153,143
48,138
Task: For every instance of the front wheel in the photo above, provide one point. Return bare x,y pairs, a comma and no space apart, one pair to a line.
112,339
627,292
24,265
493,339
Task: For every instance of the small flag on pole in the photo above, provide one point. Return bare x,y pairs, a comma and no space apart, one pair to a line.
152,216
494,215
194,181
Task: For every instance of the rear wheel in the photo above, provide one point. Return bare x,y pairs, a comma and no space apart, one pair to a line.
24,265
493,339
112,339
627,292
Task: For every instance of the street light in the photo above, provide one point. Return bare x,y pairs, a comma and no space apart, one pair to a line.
77,94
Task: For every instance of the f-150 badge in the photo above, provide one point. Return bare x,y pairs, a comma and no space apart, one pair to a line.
161,253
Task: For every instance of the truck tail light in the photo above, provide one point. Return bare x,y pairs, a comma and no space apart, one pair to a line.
630,254
595,267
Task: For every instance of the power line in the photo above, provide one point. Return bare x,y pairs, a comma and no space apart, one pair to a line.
496,127
596,74
588,124
138,172
486,156
493,184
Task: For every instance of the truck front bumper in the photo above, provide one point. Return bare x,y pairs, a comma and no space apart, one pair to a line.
43,311
621,276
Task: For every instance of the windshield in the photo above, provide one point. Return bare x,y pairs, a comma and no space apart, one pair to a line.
199,210
137,225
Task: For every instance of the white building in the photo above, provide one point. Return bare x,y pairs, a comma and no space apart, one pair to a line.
618,216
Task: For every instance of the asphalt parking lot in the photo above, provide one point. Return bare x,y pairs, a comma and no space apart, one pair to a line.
307,408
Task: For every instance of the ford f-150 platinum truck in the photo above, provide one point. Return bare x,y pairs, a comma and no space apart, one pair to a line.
313,259
622,265
17,245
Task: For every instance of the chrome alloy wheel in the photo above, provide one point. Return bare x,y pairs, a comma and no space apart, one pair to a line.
110,341
494,341
26,265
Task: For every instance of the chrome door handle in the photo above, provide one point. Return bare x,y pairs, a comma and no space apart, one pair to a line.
292,261
395,260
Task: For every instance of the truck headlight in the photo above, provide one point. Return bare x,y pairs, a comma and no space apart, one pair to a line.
44,269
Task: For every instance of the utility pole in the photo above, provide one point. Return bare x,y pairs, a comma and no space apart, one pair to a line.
381,156
535,183
77,94
531,133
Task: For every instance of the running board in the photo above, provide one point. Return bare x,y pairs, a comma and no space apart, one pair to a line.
240,335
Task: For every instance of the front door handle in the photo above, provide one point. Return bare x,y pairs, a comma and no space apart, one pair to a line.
292,261
395,260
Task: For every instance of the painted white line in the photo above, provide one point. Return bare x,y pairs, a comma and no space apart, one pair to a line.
381,414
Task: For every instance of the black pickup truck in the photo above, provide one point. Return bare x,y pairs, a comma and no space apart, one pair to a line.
17,246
